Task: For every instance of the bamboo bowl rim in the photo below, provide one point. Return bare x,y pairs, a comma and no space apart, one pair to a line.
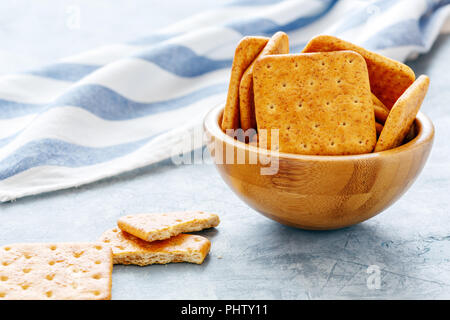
424,127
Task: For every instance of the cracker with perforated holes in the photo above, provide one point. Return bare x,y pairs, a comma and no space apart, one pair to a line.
246,51
380,110
61,271
320,102
160,226
128,249
278,44
388,78
402,115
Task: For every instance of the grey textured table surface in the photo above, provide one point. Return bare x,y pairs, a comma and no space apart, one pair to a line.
254,257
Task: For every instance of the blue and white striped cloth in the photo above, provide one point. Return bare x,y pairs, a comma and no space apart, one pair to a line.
125,106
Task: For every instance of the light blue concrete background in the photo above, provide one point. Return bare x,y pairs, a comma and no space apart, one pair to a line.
251,256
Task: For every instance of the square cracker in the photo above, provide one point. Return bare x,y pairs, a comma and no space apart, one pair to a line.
128,249
160,226
278,44
402,115
388,78
61,271
246,51
320,102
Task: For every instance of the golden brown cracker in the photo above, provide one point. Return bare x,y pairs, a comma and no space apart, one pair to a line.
320,102
381,112
402,115
160,226
278,44
388,78
61,271
378,127
246,51
128,249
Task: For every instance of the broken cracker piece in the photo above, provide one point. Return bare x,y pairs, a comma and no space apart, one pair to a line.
128,249
388,78
160,226
278,44
246,51
402,115
60,271
320,102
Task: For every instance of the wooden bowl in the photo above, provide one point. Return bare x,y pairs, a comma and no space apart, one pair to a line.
317,192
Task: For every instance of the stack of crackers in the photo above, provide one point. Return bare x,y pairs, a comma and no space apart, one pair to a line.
333,98
149,238
35,271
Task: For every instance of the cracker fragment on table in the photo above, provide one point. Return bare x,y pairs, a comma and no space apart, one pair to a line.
59,271
160,226
128,249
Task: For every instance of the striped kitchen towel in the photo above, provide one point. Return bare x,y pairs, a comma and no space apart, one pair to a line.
125,106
